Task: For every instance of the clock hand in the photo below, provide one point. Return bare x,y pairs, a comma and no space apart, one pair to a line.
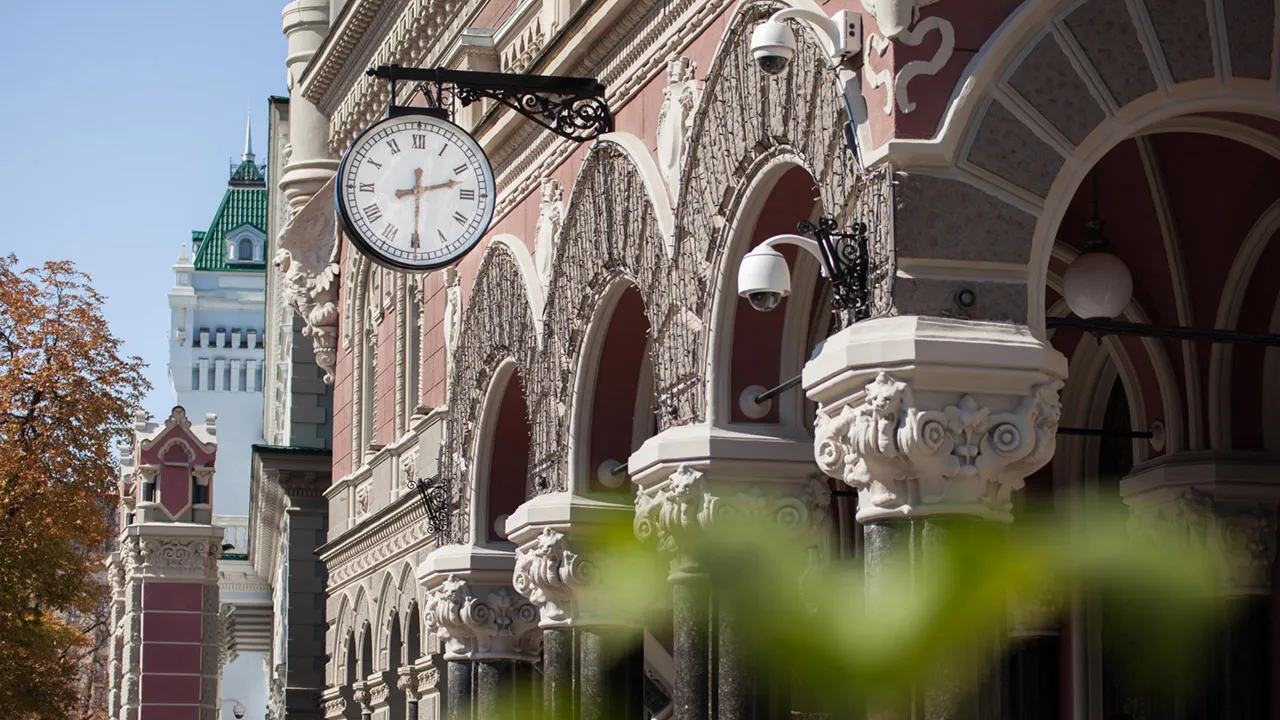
443,185
417,185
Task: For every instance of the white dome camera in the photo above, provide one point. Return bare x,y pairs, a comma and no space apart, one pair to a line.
773,44
764,278
238,710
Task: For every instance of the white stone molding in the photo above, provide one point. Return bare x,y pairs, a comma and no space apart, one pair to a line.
419,680
895,17
472,608
552,575
1214,502
494,625
550,218
554,534
901,30
930,416
452,322
308,263
680,100
171,551
691,478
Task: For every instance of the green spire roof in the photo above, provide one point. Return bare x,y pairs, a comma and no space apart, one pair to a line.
241,205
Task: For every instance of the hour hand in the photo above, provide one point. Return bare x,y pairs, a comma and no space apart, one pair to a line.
417,188
443,185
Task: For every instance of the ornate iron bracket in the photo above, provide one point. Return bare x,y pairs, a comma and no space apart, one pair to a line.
437,500
847,257
571,107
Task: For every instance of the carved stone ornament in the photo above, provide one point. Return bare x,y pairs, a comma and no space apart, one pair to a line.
362,500
197,559
906,460
555,578
308,263
897,20
501,625
550,218
675,120
452,320
418,681
670,514
1242,531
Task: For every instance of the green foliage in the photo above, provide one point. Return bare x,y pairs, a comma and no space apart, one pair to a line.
939,603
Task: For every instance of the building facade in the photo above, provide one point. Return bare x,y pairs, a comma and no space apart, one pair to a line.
598,324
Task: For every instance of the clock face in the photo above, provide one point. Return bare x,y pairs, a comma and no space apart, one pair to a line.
415,192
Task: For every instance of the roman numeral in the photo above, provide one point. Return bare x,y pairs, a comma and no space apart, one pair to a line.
419,142
372,213
458,170
375,164
366,187
442,149
460,218
467,194
389,232
443,239
395,146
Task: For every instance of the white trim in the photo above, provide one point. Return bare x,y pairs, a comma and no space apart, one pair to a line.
1080,61
1219,127
974,270
1029,116
1219,40
1151,45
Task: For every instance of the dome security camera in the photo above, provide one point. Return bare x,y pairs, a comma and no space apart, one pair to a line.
238,710
773,44
764,278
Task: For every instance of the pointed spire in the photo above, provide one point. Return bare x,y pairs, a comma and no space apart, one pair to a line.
183,257
248,136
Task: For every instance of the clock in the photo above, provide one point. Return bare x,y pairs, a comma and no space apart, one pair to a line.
415,192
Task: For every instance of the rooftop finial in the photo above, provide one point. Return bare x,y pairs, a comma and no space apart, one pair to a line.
248,136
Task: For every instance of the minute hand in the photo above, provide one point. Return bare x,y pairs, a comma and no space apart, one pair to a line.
443,185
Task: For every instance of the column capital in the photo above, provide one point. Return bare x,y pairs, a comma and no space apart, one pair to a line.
1223,503
472,607
554,534
934,416
418,680
171,551
692,477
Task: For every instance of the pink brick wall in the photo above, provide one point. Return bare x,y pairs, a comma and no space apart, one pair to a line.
173,624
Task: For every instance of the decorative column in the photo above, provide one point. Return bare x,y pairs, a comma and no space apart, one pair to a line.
307,163
420,684
1226,504
490,633
687,477
555,534
935,422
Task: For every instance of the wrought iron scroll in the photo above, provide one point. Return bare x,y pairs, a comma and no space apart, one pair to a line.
846,255
437,501
570,107
576,117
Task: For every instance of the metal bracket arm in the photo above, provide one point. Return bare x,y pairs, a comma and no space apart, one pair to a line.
571,107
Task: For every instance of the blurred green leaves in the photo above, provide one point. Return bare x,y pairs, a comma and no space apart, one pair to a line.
938,600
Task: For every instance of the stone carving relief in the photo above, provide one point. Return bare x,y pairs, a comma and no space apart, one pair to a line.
896,19
308,263
452,320
178,558
550,218
907,460
417,681
1243,532
362,500
555,578
675,120
669,515
498,625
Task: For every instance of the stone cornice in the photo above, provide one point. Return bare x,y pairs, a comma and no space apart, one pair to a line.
347,33
393,532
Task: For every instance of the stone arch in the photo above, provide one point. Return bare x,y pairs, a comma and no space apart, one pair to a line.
381,618
612,230
743,117
338,646
1060,84
497,326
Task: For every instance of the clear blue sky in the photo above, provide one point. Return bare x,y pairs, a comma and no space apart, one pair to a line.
117,124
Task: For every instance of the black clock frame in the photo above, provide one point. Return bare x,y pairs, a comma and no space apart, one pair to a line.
348,224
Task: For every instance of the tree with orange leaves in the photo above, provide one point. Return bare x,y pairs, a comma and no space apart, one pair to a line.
67,398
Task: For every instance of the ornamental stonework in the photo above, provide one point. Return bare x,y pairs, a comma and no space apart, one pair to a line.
961,458
483,624
556,579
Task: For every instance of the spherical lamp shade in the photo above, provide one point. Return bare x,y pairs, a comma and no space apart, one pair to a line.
1097,285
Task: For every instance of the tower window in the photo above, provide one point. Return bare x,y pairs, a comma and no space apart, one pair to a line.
246,250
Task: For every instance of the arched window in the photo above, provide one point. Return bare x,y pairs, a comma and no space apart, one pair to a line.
246,250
